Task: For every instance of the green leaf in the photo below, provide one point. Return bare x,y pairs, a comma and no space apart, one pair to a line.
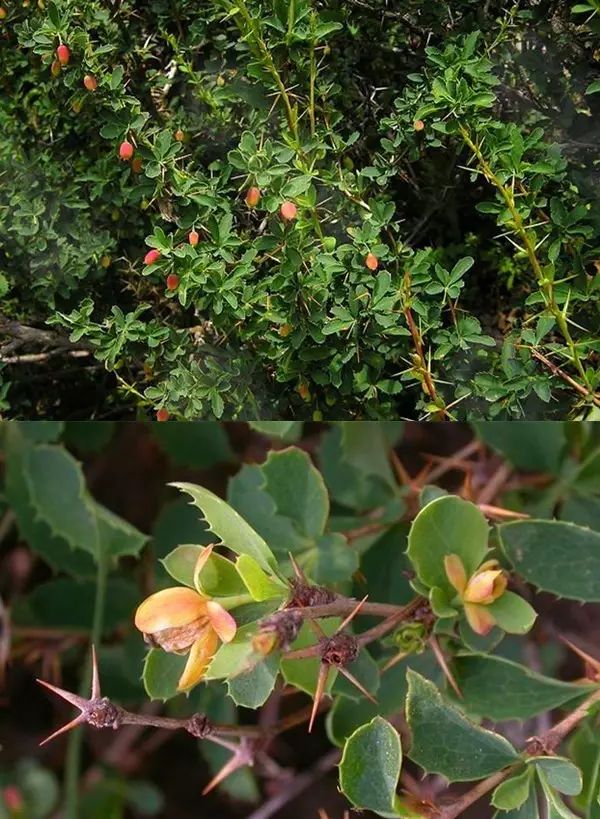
233,530
260,585
219,576
251,688
117,537
513,792
512,613
332,560
298,490
234,657
161,673
444,741
501,689
448,525
288,431
370,767
560,773
542,552
556,807
528,445
584,750
528,810
200,444
303,674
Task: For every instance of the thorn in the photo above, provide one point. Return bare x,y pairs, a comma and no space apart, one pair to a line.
444,665
401,472
95,677
394,661
73,724
74,699
352,614
351,678
242,756
297,570
321,683
587,658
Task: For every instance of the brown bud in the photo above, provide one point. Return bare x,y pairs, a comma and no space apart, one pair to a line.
283,626
304,594
339,649
101,713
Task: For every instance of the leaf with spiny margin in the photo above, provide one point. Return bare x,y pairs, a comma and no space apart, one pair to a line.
501,689
251,687
555,556
561,774
447,525
117,537
528,810
444,741
228,525
261,585
370,767
303,674
289,431
513,792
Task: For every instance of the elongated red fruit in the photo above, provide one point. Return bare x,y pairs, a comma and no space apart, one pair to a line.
288,211
63,54
90,82
125,150
371,261
193,237
252,197
55,68
136,164
152,256
172,281
162,414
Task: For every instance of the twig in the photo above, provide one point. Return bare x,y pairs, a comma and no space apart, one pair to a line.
557,371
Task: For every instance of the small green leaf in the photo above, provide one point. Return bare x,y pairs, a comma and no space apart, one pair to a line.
303,674
288,431
225,522
251,688
161,673
444,741
528,810
556,807
370,767
560,773
529,445
219,576
513,792
200,444
448,525
542,552
512,613
260,585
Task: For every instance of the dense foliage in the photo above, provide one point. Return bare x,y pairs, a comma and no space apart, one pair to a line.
423,590
359,210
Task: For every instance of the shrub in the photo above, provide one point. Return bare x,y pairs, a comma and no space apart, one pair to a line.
409,228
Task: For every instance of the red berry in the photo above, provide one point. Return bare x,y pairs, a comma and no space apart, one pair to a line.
162,414
3,13
90,82
125,150
193,237
252,197
172,281
136,164
13,798
151,256
371,261
288,211
63,54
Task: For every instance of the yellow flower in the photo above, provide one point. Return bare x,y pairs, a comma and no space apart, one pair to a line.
180,620
477,592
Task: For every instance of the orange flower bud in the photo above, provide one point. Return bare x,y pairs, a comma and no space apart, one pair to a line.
371,261
479,618
455,572
485,587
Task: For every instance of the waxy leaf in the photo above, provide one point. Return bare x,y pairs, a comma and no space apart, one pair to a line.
233,530
500,689
447,525
555,556
161,673
218,578
528,810
251,688
444,741
513,792
370,767
561,774
260,585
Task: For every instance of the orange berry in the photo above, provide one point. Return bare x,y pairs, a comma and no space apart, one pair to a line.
285,330
252,197
303,391
105,261
136,164
371,261
125,150
90,82
172,281
151,256
418,125
288,211
3,13
179,135
193,237
162,414
55,68
63,54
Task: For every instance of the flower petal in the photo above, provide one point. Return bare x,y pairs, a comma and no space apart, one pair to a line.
455,571
199,659
201,562
222,622
482,587
169,608
480,618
